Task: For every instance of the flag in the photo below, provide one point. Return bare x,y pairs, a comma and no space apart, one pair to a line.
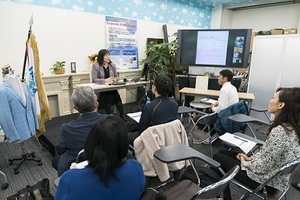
36,85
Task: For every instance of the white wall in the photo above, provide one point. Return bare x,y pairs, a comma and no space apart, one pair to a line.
61,35
286,16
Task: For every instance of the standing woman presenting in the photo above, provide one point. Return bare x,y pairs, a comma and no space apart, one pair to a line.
104,71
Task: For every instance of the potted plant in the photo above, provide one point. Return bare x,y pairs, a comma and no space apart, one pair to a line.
162,58
58,67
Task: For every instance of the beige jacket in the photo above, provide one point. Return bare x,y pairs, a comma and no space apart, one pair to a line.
154,138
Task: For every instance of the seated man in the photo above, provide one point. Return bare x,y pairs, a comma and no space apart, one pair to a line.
228,93
74,133
161,110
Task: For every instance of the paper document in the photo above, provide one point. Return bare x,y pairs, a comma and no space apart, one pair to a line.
89,84
208,100
244,144
135,116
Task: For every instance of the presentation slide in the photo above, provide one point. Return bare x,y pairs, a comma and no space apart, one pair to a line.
212,47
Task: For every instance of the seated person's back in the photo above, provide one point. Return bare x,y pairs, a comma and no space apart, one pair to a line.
74,133
162,109
109,175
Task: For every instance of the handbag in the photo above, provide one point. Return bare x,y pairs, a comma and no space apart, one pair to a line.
39,191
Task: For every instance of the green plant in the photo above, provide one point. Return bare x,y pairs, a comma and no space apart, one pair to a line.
57,65
162,57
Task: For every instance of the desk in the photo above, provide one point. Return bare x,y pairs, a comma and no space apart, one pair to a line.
212,93
107,87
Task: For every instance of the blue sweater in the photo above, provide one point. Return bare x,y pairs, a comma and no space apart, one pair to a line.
85,183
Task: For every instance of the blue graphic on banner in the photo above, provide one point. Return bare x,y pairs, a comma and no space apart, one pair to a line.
121,37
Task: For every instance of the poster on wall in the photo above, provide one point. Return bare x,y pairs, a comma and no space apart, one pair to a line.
121,40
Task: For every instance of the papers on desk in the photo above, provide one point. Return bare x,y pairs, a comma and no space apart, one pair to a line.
208,101
89,84
136,116
244,144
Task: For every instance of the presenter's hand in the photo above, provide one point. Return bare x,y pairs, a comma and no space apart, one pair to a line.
109,80
114,79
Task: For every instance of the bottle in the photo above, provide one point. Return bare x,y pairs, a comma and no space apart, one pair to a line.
148,100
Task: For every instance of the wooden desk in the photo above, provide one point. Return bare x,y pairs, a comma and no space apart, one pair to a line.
212,93
107,87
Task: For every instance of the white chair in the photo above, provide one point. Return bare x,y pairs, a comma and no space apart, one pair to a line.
201,83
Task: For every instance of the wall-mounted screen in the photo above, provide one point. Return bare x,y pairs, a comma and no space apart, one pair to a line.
214,47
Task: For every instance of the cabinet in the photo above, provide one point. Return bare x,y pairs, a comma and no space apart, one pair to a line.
275,63
59,89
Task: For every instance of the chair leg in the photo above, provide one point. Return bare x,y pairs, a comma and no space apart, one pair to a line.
24,157
5,184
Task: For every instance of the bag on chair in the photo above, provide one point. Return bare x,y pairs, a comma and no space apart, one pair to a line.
39,191
207,177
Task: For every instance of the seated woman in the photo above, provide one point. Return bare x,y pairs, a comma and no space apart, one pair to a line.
109,175
281,147
104,71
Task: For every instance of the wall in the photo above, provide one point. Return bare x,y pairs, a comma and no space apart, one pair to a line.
286,16
61,35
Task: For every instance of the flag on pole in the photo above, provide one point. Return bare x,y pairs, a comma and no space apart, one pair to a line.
36,85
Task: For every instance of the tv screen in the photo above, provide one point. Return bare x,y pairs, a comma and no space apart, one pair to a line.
214,47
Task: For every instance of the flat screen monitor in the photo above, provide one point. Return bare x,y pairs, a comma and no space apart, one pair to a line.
214,47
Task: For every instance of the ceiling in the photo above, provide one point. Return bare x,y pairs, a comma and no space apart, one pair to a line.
246,4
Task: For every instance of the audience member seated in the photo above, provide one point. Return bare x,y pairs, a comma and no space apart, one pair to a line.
228,93
108,175
280,148
161,110
74,133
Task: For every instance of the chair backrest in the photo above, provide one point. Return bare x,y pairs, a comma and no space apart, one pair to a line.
208,119
201,83
154,138
286,169
224,124
217,189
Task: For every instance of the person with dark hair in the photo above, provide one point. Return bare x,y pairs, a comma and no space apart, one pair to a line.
74,133
282,145
228,93
162,109
104,72
108,175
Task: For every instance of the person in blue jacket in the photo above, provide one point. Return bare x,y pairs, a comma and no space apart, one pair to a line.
108,175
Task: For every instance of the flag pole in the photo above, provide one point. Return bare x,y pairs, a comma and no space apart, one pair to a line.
25,56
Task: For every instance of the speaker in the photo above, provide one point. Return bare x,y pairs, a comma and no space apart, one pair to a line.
165,31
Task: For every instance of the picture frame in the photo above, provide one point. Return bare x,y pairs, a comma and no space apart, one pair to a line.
73,67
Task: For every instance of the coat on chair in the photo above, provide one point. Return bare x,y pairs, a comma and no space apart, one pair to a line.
224,124
154,138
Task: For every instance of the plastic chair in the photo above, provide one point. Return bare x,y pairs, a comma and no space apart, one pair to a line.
261,192
198,136
242,118
190,111
187,189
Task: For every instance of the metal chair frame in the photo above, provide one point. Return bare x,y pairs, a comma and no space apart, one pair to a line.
261,192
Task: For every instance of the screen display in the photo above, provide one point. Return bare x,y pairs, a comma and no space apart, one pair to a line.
214,47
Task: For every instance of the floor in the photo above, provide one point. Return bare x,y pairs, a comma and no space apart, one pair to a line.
30,173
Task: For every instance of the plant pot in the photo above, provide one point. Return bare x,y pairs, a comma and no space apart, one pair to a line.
60,71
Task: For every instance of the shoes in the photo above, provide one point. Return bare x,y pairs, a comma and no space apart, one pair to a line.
295,185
